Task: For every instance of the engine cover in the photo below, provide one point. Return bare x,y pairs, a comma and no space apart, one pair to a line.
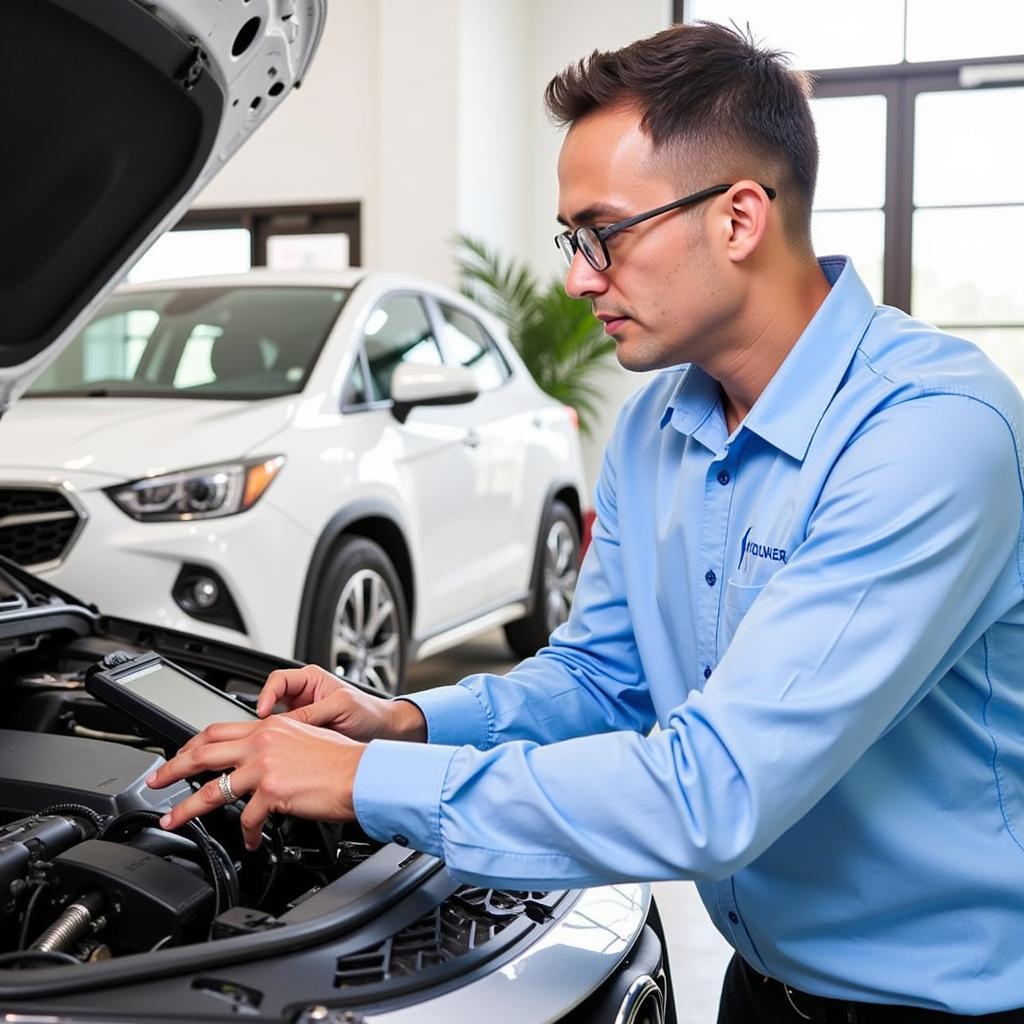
39,770
147,898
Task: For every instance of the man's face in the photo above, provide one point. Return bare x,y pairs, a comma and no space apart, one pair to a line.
662,296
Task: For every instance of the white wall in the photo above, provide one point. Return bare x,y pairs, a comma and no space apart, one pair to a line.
494,121
565,31
430,114
322,145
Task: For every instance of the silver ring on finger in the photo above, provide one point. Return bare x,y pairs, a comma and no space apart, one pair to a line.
224,785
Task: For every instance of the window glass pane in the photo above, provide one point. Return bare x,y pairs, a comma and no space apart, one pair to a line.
466,344
988,169
860,235
325,251
826,34
1003,345
850,176
949,29
398,331
198,342
354,392
197,253
967,265
195,365
108,349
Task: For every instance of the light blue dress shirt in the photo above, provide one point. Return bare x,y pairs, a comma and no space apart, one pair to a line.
823,613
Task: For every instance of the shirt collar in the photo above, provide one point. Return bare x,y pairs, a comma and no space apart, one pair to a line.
789,409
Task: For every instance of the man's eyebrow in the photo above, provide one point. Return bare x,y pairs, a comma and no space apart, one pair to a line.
594,212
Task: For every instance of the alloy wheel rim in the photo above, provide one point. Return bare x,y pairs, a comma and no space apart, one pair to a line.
365,639
561,569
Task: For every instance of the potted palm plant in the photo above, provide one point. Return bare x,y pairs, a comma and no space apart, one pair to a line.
557,336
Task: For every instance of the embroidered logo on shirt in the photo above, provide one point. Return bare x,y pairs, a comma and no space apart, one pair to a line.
754,549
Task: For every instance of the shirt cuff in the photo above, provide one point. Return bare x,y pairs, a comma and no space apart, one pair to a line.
397,792
455,716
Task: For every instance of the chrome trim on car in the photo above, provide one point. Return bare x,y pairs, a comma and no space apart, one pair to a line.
543,982
449,636
635,997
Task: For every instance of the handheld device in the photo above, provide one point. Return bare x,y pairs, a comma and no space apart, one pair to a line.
162,697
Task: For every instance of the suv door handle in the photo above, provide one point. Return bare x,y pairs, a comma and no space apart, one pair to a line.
472,439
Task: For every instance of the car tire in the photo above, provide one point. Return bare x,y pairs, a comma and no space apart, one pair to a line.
359,624
556,567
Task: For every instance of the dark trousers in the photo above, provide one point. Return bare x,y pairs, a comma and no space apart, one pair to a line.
750,998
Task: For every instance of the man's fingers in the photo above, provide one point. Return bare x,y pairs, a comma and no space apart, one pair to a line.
291,685
205,799
217,733
321,712
284,684
253,819
202,757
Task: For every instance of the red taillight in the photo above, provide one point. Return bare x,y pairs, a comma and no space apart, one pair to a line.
589,515
574,417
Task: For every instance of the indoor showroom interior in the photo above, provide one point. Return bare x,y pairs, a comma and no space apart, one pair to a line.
417,147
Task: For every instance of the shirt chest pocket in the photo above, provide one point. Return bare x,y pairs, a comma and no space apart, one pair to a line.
736,602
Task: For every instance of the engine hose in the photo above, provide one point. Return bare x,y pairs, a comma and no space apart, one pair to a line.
26,921
71,926
230,874
96,819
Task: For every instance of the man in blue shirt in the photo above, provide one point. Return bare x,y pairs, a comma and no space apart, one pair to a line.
807,569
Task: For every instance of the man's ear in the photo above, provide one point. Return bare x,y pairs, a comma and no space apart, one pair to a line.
748,210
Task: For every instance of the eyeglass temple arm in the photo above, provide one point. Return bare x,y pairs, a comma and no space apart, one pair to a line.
707,193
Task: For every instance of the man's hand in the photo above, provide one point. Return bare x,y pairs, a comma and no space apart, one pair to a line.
281,764
317,697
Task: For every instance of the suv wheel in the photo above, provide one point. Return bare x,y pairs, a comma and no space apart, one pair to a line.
359,622
554,580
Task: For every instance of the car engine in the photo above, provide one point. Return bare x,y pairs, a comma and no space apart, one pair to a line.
85,872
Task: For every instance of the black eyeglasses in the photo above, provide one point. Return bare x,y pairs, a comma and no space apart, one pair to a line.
592,241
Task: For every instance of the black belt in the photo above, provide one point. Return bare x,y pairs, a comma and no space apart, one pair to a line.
822,1010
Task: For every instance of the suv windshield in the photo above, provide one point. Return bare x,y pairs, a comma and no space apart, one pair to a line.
240,343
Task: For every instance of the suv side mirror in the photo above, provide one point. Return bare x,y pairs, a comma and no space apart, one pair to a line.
413,385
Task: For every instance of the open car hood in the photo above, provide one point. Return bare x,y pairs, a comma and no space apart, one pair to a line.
116,115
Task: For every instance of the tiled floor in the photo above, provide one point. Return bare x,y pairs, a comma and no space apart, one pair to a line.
697,953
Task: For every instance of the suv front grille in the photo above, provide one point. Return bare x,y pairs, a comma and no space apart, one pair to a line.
461,924
37,525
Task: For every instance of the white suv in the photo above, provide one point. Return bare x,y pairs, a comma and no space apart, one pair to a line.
352,468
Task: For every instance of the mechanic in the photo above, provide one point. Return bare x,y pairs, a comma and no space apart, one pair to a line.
806,569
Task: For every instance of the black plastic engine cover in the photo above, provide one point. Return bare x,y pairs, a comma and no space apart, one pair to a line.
39,770
145,897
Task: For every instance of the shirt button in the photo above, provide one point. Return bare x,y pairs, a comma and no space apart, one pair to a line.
710,578
399,840
734,917
723,477
707,671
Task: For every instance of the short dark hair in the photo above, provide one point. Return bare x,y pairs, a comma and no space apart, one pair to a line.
713,89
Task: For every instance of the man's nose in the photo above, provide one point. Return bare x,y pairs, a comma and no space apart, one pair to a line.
582,280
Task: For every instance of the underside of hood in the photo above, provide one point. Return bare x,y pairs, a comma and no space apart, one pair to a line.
115,113
112,121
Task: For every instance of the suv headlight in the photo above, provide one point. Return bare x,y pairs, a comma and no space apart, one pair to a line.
205,493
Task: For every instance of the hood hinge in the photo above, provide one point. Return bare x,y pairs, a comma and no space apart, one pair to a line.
191,71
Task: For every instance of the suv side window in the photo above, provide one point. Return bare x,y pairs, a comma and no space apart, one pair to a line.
466,343
398,331
354,393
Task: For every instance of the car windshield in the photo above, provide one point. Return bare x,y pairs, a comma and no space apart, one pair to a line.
235,343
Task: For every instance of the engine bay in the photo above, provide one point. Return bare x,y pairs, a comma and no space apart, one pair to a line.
86,875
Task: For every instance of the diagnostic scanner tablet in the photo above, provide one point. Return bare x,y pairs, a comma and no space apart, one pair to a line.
165,700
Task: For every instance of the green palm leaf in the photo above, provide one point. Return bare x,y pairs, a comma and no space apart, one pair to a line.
557,336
